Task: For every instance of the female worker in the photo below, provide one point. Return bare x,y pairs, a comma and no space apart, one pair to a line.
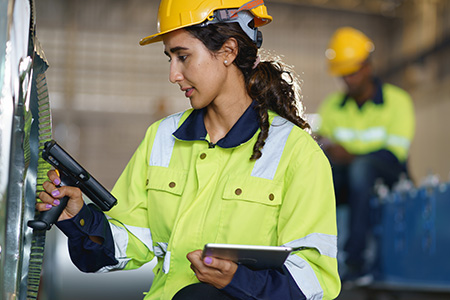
237,168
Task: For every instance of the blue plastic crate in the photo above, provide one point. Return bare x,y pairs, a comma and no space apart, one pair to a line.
412,231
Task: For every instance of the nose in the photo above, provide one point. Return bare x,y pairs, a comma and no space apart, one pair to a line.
175,74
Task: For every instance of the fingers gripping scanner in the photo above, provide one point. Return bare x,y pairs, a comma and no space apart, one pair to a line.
71,174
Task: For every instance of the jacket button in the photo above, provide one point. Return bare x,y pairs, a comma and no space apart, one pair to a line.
271,197
82,222
238,191
172,184
203,156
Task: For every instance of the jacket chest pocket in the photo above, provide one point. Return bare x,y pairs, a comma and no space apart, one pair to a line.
166,180
254,190
250,209
165,187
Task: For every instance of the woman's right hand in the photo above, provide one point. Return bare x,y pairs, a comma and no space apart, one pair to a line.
52,195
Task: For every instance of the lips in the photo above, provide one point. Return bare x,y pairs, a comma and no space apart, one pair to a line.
189,92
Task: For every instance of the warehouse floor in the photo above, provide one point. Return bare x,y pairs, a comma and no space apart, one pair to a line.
390,294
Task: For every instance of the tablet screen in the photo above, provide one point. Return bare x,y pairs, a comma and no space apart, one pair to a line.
252,256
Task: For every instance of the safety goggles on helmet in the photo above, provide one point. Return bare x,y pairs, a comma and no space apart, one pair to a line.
243,17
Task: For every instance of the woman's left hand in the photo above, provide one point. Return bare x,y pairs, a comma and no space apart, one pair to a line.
215,271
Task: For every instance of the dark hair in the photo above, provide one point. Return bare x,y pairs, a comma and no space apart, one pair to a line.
264,83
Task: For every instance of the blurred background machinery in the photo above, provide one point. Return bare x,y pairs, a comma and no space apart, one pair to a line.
105,90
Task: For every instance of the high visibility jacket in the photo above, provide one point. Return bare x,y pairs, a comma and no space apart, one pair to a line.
385,122
179,192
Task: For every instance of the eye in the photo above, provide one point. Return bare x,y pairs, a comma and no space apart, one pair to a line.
182,57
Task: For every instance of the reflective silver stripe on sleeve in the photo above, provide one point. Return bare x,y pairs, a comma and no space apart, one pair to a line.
398,141
120,235
160,249
143,234
372,134
304,277
166,264
325,244
344,134
266,166
164,141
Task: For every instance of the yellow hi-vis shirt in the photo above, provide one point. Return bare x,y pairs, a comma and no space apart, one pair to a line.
386,122
175,196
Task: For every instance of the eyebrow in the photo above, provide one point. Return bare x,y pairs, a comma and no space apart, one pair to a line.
175,49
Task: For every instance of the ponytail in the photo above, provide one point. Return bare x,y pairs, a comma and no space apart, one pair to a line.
274,88
273,85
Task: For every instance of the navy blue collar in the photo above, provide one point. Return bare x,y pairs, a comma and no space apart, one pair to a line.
377,98
193,129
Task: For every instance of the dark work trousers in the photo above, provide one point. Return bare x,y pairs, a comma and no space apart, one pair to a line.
354,185
201,291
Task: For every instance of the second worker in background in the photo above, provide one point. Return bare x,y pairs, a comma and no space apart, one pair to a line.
366,132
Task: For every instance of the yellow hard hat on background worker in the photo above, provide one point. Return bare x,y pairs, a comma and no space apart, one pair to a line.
175,14
348,49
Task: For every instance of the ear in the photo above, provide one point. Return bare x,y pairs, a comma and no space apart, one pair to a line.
229,50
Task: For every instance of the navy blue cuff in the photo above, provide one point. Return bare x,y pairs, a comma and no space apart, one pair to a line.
80,225
263,284
87,255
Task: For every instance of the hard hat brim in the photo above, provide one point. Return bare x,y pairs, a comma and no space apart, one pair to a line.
158,37
344,70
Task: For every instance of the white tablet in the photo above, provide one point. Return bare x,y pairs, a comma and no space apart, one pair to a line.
252,256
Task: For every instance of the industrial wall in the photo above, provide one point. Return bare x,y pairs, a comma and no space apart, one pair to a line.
106,89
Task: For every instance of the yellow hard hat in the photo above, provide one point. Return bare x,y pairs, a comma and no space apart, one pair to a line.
348,49
176,14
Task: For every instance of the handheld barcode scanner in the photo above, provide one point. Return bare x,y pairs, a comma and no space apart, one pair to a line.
71,174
